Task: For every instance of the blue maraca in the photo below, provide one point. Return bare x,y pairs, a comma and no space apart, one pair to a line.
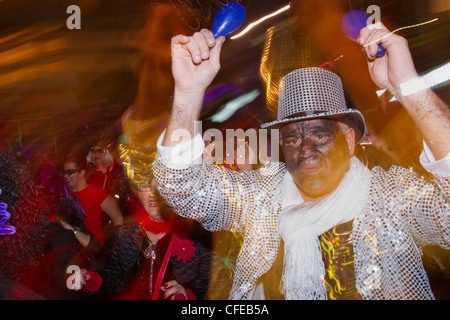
229,18
353,22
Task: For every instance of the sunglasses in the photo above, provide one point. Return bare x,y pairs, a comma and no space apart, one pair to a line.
69,172
99,150
145,188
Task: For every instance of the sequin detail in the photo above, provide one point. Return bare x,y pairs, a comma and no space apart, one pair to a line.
404,212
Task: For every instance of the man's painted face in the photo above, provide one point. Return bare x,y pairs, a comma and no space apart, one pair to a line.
316,154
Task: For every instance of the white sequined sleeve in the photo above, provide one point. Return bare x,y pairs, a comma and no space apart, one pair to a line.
424,203
220,199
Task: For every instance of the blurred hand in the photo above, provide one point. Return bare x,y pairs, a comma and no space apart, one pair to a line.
172,288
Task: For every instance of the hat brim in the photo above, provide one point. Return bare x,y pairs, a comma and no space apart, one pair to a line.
352,117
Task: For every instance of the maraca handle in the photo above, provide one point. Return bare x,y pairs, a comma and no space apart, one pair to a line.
381,51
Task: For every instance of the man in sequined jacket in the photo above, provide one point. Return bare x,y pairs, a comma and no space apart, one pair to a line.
322,201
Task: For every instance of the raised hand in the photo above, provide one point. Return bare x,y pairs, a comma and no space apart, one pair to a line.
393,68
195,63
195,60
430,113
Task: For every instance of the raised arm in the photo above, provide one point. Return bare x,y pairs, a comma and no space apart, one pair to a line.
396,69
110,207
195,63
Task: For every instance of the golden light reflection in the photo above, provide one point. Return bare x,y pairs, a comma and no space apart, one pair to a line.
288,46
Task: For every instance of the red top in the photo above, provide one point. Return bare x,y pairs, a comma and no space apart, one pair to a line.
91,198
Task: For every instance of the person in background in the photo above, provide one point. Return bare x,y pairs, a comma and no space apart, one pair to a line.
68,241
154,256
227,244
92,198
36,249
70,213
110,176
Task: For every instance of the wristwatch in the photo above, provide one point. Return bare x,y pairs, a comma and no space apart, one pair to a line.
76,229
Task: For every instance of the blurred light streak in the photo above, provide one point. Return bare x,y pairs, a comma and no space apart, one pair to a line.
231,107
432,79
399,29
27,53
251,25
31,73
213,94
29,33
124,120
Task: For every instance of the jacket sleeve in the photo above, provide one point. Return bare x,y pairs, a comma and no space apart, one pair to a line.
194,274
115,263
216,197
424,203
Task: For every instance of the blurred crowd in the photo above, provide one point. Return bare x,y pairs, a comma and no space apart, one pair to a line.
77,227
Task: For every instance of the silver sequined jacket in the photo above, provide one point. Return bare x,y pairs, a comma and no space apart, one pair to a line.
404,212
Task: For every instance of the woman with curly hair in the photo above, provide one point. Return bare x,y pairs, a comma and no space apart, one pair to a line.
35,255
156,256
24,249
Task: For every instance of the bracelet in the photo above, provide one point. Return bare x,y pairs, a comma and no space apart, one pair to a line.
76,229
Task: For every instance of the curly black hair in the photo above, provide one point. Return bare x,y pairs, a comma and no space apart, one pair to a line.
10,169
30,211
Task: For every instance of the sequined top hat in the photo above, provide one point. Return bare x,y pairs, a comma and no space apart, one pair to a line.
313,93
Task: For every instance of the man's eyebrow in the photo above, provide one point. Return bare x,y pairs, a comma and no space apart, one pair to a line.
292,133
320,128
315,128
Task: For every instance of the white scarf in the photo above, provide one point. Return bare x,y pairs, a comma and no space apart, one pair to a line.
301,223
